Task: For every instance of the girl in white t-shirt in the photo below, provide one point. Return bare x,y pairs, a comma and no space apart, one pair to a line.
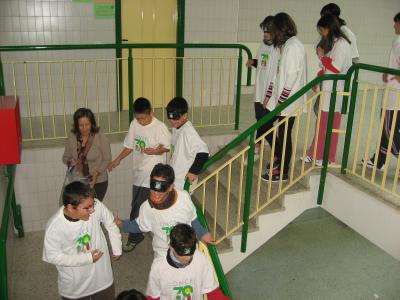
334,9
337,60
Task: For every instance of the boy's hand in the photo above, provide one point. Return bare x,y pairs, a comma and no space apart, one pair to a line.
115,257
96,254
385,78
118,222
113,164
192,177
208,238
249,63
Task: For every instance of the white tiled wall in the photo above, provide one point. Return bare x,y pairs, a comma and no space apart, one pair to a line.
39,179
28,22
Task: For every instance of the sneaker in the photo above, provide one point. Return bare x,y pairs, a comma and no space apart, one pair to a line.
306,159
131,245
370,164
309,160
275,177
275,166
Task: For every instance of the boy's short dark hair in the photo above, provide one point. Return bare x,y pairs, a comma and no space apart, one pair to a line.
182,235
142,106
165,171
266,24
75,192
397,17
178,105
131,295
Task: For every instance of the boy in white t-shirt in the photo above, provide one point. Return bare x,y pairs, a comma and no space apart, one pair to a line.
188,151
164,209
149,140
183,273
75,243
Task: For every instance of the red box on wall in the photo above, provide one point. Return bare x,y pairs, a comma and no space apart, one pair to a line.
10,131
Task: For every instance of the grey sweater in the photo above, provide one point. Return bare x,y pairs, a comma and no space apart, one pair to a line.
98,157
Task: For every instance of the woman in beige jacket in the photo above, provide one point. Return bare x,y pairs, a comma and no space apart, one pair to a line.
88,151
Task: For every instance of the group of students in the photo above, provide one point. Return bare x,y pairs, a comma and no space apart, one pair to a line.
74,240
281,72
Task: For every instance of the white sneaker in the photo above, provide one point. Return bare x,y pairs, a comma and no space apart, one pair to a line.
370,164
309,160
306,159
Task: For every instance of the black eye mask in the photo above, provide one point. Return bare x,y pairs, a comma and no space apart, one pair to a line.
158,185
173,115
181,250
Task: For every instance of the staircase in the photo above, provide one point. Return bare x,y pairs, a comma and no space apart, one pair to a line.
221,192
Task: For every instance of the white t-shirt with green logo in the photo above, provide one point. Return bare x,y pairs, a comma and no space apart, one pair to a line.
169,283
140,137
185,145
161,221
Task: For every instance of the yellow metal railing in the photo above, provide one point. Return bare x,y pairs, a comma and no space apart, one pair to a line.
369,127
50,91
221,192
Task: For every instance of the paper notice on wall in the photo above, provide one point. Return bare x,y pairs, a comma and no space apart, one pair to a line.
104,9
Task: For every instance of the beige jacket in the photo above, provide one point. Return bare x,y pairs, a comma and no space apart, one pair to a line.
98,157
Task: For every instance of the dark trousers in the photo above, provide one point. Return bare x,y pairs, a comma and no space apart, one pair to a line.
260,112
101,189
107,294
384,144
280,136
139,195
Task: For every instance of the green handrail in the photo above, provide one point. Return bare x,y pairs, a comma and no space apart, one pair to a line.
9,205
223,283
249,133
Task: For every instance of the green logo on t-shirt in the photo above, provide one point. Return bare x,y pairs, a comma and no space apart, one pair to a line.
140,144
83,243
264,59
167,230
183,292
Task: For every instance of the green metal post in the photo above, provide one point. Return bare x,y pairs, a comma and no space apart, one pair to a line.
17,213
248,83
180,51
130,80
328,136
238,89
350,120
4,231
2,89
118,51
3,268
247,194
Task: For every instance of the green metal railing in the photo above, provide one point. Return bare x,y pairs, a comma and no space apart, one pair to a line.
179,61
10,206
351,79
